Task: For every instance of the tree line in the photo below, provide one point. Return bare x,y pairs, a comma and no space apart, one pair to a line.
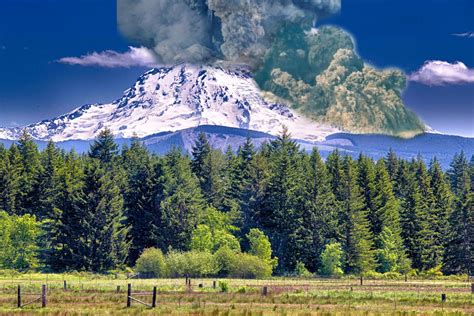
100,210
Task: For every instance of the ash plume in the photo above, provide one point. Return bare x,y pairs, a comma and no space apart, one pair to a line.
317,70
201,31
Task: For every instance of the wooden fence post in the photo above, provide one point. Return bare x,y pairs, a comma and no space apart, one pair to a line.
153,302
472,288
265,291
129,295
65,285
361,280
19,296
214,284
118,288
43,295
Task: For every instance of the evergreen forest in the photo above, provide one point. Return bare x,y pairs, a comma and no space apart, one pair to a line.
251,212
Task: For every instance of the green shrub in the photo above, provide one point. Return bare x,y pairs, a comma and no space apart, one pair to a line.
19,237
192,264
242,290
392,276
331,260
224,286
225,259
246,266
241,265
225,239
202,239
432,273
152,261
261,247
301,271
373,275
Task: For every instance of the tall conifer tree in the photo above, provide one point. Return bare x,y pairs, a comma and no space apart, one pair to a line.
181,202
358,239
459,255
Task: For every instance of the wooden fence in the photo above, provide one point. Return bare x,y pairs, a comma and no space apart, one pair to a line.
40,297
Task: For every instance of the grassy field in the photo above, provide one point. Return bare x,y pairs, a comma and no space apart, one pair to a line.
89,295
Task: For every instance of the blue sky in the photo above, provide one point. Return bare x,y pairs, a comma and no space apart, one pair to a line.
35,34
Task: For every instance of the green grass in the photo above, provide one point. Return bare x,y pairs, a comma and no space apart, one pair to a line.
96,295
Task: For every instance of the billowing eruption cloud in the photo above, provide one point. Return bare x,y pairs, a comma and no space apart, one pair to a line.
320,73
315,70
199,31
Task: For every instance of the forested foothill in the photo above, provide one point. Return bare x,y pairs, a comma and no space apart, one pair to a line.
249,213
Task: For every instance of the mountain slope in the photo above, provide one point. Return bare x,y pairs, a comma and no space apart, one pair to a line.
176,98
427,146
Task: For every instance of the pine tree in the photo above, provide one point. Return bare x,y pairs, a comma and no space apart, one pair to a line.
104,147
443,204
213,179
319,207
30,160
459,255
12,175
366,182
254,194
62,242
46,191
104,233
279,215
8,178
392,164
139,198
246,179
386,205
391,251
357,239
457,173
391,254
231,183
334,165
200,152
430,251
410,214
181,202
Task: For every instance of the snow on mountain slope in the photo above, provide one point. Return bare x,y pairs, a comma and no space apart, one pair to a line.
177,98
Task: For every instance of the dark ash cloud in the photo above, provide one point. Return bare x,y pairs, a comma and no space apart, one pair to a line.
199,31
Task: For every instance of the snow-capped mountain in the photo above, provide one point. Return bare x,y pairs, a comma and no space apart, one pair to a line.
176,98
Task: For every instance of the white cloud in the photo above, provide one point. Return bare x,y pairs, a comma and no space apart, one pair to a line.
135,56
439,73
466,34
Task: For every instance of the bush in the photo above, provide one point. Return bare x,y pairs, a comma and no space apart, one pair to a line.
225,259
225,239
202,239
261,247
192,264
241,265
19,237
331,260
152,261
246,266
432,273
301,271
224,286
373,275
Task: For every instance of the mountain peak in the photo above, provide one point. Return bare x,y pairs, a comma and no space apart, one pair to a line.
174,98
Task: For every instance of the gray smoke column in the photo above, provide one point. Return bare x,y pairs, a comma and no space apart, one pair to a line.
200,31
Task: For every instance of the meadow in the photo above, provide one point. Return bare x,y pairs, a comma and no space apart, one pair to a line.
107,295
